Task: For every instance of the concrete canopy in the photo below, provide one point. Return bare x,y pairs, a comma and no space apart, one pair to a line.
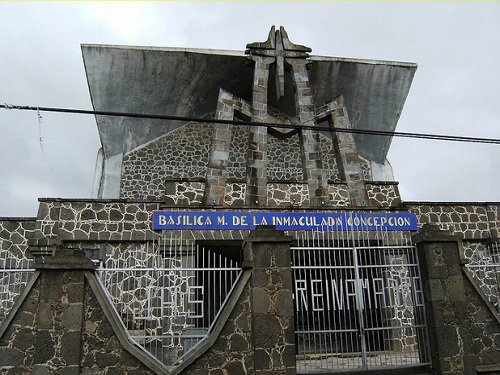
186,82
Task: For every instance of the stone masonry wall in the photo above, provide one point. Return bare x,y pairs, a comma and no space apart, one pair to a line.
465,335
182,153
471,221
95,220
14,236
61,329
229,354
284,159
383,194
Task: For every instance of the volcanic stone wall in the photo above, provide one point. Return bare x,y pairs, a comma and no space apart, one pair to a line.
181,154
470,220
14,236
173,168
61,329
465,333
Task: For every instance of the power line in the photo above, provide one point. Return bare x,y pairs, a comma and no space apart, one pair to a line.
439,137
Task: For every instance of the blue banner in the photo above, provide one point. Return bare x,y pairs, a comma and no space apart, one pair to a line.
241,220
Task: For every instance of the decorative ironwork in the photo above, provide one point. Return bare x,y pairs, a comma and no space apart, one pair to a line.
484,265
359,301
168,294
15,272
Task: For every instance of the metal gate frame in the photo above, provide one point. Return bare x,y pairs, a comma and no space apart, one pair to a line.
359,301
168,294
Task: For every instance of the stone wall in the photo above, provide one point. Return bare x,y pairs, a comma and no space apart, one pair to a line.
284,161
94,220
180,154
465,334
470,220
14,236
62,325
61,329
383,194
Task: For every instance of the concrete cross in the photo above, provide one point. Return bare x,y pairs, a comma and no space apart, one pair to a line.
278,46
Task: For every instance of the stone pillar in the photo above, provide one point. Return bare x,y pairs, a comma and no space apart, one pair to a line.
219,154
348,160
59,322
445,301
311,148
256,194
267,251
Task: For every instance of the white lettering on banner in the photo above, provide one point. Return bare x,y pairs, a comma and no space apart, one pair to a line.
229,220
340,294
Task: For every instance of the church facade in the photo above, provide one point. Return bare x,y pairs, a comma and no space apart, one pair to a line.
255,229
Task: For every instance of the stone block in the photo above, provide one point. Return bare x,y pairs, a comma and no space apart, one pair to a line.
11,356
45,347
455,288
70,348
283,303
267,331
71,317
261,301
435,290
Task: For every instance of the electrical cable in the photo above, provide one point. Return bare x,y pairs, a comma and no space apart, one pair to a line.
439,137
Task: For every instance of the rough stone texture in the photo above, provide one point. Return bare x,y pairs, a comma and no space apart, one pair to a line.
256,176
339,195
287,195
366,169
102,353
383,194
14,236
182,153
481,260
184,193
235,194
95,220
464,333
329,159
272,305
312,160
349,161
284,159
231,353
472,221
46,335
217,174
237,163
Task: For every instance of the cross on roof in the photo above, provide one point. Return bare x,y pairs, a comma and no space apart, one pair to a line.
278,46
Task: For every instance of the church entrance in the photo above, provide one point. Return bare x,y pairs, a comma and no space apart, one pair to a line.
359,302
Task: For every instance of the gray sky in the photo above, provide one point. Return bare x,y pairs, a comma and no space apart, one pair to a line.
455,90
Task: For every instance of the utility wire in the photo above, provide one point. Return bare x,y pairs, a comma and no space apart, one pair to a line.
439,137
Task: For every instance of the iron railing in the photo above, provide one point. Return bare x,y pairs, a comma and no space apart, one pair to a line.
168,294
358,301
15,272
484,265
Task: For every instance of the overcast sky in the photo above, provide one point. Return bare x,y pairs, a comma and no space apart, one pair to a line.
456,89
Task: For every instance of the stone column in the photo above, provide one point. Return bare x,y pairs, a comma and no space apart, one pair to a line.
59,322
219,154
445,301
311,149
267,251
256,194
347,155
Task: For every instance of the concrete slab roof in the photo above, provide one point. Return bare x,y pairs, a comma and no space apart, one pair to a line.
186,82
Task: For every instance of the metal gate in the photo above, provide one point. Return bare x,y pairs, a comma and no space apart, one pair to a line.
359,301
168,293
